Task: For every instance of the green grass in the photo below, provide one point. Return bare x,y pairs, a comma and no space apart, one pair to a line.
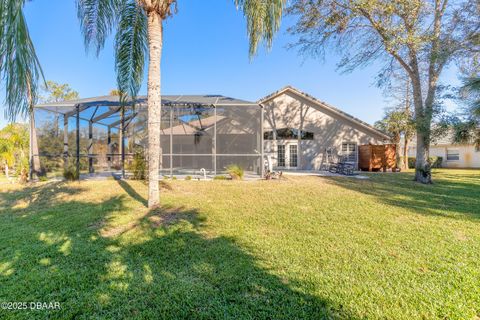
304,247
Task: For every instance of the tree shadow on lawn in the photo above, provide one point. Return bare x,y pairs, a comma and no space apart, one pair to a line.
165,266
451,195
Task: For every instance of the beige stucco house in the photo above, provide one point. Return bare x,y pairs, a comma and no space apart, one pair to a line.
453,155
301,132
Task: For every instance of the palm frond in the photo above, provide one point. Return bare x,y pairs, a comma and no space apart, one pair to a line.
19,65
131,47
263,20
97,19
471,89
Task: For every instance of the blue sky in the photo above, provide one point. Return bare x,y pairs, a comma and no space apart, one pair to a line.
205,52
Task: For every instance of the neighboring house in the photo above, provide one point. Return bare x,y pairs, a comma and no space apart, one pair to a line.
301,132
453,155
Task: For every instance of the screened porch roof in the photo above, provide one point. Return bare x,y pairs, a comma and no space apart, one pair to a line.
69,107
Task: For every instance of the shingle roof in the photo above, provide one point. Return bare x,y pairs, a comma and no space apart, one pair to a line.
323,105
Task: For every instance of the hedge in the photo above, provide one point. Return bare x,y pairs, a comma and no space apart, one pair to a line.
435,162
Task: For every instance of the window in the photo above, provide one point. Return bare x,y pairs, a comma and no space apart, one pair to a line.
453,155
288,134
293,155
349,152
281,156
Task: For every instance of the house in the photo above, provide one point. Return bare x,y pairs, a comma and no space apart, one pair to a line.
301,132
453,155
205,133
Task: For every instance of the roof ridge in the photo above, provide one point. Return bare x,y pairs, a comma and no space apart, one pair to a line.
320,102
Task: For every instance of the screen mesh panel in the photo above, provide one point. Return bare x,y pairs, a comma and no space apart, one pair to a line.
192,137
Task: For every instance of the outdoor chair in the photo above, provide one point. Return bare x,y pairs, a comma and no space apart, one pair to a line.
330,165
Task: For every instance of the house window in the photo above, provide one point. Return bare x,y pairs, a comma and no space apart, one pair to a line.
349,152
293,155
288,134
453,155
281,156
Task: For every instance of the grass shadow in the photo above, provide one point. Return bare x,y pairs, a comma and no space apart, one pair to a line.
451,195
164,266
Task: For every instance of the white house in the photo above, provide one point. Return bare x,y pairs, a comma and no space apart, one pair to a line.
453,155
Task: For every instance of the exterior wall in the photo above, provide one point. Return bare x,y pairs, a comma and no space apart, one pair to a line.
469,157
290,110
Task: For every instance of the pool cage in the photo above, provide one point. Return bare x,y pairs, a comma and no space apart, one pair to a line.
199,134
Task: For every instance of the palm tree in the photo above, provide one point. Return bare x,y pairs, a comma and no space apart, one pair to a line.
396,123
468,131
139,32
19,65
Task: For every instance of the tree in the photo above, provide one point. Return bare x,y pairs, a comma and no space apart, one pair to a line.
396,123
468,130
13,147
58,92
398,90
19,68
139,32
115,92
55,93
19,65
420,36
7,156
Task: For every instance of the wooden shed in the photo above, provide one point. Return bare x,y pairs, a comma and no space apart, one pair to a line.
375,157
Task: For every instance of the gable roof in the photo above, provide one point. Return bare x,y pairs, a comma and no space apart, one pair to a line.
323,105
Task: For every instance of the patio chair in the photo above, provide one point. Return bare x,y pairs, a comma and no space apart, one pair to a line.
345,167
330,165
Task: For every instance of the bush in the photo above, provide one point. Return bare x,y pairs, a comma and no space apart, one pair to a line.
411,162
435,162
70,173
188,178
219,178
235,171
138,165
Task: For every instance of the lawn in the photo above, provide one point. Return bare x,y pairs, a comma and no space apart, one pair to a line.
305,247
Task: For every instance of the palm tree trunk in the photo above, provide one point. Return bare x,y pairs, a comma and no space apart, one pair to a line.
154,106
405,153
35,165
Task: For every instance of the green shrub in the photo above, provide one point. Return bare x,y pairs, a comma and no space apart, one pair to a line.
411,162
138,165
220,178
188,178
174,178
435,162
235,171
70,173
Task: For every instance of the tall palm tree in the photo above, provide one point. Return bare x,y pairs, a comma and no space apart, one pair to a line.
19,66
139,32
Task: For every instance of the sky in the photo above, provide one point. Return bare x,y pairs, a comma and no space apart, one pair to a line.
205,52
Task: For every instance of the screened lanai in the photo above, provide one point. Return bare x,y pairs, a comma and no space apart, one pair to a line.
99,135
